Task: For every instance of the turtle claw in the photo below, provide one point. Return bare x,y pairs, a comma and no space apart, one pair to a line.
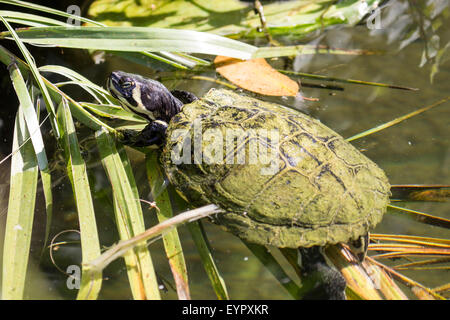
152,135
128,136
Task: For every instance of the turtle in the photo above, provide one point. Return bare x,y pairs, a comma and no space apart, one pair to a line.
281,177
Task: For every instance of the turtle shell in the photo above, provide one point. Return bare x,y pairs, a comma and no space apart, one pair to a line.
282,178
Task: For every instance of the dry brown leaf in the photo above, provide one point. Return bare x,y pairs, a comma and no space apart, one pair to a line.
256,75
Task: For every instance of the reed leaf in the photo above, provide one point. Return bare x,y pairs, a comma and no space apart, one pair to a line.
29,112
423,217
113,112
99,93
76,170
134,39
396,121
420,192
29,19
31,118
35,72
129,219
341,80
19,222
56,94
151,234
203,248
405,280
268,260
33,6
171,240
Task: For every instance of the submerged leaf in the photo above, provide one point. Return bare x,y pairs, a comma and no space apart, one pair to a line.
232,17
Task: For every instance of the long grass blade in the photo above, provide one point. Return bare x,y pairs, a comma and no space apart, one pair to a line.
268,260
35,72
428,241
113,112
280,51
30,5
99,92
57,95
22,196
171,240
405,280
150,235
31,118
420,192
30,115
442,289
177,60
351,81
396,251
422,265
46,180
142,58
129,219
389,246
135,39
76,170
29,19
396,121
202,244
424,217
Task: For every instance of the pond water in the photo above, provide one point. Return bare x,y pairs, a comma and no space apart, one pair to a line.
416,151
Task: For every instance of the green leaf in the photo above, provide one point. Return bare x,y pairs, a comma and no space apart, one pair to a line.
135,39
150,235
203,248
28,19
33,6
267,259
76,170
77,110
129,219
97,92
113,112
397,120
19,222
30,115
33,126
171,240
35,72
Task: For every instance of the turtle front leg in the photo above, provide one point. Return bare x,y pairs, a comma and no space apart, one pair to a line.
153,135
330,283
184,96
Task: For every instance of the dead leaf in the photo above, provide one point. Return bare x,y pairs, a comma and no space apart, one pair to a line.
256,75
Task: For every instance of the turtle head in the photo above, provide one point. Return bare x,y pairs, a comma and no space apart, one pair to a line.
143,96
121,85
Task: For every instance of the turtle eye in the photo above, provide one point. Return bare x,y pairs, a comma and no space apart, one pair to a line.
126,84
